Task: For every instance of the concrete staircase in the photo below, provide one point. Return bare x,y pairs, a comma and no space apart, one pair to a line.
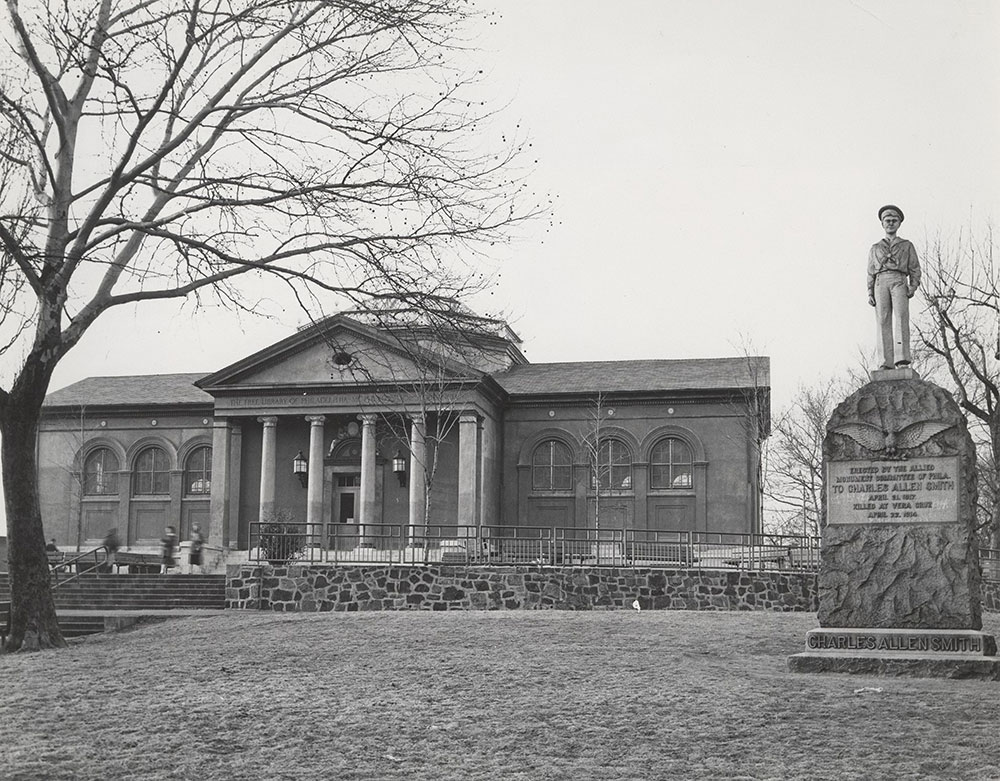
92,603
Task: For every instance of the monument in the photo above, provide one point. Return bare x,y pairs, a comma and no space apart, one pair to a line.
899,579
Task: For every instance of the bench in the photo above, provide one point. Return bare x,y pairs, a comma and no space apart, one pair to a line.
4,623
139,563
57,559
762,557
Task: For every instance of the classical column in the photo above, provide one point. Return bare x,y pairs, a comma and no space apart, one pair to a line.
267,455
367,498
468,470
418,458
489,470
233,535
314,490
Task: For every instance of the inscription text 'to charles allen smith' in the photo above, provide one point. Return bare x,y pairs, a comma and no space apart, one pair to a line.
922,491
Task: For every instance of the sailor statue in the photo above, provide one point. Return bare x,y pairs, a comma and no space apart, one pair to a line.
893,278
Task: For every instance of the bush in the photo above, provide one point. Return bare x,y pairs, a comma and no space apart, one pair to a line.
281,538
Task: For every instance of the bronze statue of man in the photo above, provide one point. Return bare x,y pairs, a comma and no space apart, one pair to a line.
893,278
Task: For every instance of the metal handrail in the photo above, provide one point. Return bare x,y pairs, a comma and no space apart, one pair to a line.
304,544
79,571
487,545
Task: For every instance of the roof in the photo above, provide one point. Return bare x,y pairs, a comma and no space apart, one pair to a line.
636,376
443,316
143,389
701,374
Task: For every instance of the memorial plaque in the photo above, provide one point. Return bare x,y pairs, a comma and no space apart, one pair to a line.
923,490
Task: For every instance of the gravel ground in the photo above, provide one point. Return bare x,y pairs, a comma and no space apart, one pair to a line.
479,695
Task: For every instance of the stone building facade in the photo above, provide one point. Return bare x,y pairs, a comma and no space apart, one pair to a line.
375,426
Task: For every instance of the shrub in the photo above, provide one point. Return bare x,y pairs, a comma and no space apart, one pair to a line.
281,538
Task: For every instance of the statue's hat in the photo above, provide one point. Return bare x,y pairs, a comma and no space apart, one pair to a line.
890,208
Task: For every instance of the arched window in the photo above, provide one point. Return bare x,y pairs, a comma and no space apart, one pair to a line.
612,468
100,473
552,467
198,472
151,475
670,464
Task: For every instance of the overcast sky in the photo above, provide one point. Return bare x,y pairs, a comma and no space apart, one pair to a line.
716,167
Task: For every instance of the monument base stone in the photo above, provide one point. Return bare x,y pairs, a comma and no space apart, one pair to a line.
981,668
917,653
899,373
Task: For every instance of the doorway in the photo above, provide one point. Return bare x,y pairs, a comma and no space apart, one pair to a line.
345,509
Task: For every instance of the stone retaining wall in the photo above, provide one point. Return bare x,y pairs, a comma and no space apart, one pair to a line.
445,587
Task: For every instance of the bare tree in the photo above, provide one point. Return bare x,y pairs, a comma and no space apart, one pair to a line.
167,150
795,460
752,408
441,347
962,329
73,439
601,452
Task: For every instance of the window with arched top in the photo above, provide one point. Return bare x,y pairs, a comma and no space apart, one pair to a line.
552,467
670,464
611,467
151,473
100,473
198,472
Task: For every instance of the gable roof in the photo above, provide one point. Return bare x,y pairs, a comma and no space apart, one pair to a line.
323,333
693,374
139,390
690,374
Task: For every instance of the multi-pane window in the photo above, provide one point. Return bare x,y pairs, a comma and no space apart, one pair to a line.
198,472
151,475
670,464
612,469
552,467
100,473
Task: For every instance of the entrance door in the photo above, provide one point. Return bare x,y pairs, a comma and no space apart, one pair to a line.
345,511
347,501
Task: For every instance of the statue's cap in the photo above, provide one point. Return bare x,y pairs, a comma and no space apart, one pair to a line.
890,208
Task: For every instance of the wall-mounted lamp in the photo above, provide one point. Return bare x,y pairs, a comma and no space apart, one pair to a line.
399,467
300,468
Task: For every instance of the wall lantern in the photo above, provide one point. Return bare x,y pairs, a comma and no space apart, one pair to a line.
300,468
399,467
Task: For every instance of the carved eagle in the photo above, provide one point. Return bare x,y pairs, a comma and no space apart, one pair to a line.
892,442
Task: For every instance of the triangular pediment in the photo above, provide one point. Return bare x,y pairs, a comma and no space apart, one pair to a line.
339,352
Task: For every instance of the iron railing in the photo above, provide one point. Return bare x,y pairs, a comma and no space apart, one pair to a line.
542,546
535,545
81,563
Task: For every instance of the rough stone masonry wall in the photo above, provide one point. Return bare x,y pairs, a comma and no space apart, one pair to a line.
309,589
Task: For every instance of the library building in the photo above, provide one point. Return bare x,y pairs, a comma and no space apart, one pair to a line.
384,428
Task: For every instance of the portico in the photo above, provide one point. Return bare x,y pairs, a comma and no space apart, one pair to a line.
349,478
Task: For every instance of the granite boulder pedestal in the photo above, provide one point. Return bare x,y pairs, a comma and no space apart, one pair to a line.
899,579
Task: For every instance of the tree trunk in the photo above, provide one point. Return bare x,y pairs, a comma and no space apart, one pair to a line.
33,622
995,487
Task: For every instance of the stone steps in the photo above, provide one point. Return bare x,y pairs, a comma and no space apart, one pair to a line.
136,592
79,626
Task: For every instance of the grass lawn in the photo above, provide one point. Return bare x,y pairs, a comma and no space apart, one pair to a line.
480,695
